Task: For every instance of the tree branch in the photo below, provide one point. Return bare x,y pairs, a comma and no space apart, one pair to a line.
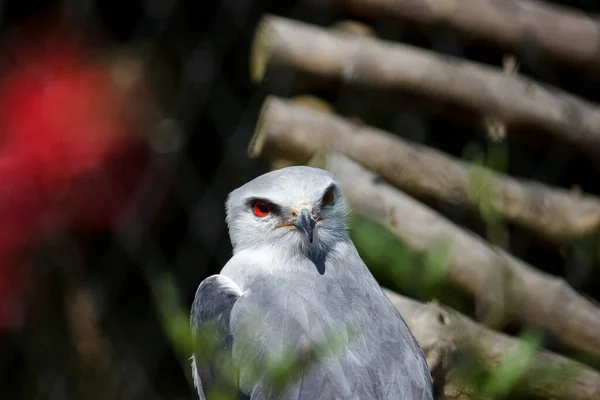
445,334
360,60
565,34
297,133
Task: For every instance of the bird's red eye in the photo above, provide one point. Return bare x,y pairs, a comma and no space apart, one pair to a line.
261,208
328,198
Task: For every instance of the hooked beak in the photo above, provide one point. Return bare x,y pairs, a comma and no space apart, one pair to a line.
305,223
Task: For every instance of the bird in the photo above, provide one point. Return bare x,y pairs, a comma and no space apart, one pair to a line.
296,284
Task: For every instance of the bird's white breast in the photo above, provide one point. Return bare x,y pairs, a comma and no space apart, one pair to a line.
292,265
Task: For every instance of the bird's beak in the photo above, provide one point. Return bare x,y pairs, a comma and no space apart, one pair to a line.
305,223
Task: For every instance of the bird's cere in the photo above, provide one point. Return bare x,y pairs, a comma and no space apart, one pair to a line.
305,222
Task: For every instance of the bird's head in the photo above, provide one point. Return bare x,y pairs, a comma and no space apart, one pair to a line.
300,207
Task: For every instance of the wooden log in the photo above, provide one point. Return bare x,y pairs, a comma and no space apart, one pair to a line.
564,34
366,61
445,334
310,102
297,133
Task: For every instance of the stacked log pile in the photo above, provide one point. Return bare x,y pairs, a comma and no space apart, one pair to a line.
393,180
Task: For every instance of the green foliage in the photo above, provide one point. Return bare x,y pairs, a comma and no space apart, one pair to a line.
174,317
503,379
393,263
397,267
436,264
283,372
483,190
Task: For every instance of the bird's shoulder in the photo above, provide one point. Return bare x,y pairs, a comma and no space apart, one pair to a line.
214,296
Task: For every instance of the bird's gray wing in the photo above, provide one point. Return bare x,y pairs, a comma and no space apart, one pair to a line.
210,327
379,358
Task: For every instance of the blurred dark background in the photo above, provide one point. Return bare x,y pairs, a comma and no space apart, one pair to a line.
198,54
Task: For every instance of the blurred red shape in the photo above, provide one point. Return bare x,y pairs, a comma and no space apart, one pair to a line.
70,152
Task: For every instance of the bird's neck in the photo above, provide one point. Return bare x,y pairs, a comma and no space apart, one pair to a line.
273,258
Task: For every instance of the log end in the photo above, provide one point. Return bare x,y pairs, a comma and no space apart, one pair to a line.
260,49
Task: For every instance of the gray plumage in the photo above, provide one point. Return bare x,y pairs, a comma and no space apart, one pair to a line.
282,291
